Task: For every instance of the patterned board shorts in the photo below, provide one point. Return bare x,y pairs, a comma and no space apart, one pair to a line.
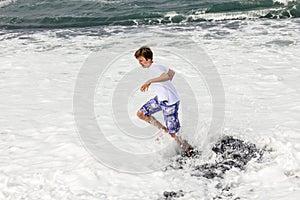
170,113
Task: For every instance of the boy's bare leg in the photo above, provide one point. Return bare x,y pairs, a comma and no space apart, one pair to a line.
183,144
151,120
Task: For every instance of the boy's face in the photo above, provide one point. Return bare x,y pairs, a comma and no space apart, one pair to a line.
143,62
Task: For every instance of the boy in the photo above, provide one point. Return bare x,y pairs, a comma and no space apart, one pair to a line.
166,99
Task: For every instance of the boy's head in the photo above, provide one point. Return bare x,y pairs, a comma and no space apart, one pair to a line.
144,52
145,56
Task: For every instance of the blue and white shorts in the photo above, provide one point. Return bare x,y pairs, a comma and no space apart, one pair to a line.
170,113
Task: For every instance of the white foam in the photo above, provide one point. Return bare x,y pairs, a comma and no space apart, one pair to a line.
6,2
231,15
42,156
284,2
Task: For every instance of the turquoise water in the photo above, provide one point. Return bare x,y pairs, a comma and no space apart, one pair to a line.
22,14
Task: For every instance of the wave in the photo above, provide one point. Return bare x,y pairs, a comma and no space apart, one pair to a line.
86,13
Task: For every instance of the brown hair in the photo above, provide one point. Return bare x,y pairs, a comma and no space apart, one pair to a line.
145,52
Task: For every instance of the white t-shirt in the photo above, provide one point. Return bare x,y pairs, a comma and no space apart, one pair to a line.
165,91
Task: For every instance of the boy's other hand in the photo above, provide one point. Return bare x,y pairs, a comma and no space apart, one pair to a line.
171,74
145,86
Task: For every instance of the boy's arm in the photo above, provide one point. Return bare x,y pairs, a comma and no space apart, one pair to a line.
162,78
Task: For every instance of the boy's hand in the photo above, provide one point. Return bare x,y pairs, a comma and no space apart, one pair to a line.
171,74
145,86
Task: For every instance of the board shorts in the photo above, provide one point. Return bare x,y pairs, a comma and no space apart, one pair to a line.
170,113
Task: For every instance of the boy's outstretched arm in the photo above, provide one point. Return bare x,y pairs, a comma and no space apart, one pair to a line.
163,77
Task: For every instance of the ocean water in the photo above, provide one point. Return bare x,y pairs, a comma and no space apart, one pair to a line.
237,72
63,14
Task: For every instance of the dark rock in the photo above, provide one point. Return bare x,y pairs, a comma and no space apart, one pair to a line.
172,195
231,153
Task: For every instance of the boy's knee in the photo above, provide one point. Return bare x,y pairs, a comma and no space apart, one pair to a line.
140,114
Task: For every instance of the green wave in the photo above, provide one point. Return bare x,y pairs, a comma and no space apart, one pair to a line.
24,14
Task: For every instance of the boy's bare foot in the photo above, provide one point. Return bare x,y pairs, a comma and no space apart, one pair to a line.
187,148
